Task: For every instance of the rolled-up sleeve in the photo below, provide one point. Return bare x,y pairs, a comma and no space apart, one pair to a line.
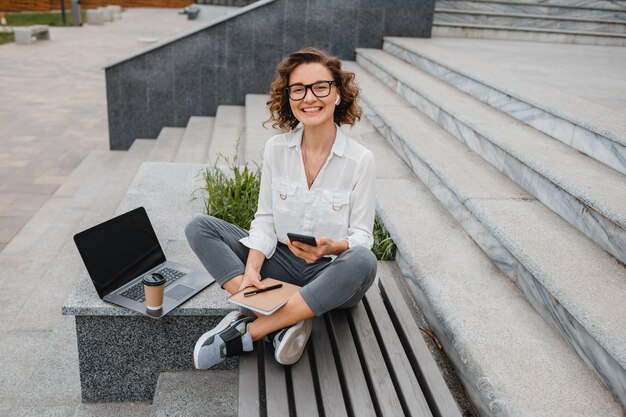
262,232
363,204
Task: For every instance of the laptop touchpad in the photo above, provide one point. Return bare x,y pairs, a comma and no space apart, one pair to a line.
179,292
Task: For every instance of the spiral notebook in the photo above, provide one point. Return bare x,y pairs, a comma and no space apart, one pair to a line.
266,302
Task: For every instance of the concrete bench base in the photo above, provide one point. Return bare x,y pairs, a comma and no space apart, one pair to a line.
25,35
121,357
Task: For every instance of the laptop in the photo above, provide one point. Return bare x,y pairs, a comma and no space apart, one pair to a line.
120,252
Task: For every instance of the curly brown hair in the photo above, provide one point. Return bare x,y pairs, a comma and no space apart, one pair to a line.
346,112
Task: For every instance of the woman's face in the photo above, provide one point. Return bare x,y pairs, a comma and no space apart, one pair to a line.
312,110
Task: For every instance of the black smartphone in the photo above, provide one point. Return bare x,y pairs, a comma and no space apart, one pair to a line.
309,240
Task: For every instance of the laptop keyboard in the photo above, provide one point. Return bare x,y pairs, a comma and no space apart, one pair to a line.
136,291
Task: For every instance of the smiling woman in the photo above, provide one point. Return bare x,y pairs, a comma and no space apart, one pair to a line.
315,181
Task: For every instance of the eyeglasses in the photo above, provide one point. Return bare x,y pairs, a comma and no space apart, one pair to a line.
319,89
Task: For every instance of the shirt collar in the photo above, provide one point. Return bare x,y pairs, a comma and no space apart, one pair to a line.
338,148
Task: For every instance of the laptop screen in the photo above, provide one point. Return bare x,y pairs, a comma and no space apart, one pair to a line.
119,250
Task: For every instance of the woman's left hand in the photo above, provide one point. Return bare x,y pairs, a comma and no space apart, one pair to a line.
325,246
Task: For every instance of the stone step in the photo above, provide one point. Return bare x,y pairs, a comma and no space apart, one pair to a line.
584,125
524,21
467,30
212,393
503,350
517,233
590,4
33,290
602,11
166,146
586,193
196,140
256,134
29,255
228,134
40,310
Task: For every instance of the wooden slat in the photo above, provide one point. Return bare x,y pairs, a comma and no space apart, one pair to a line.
275,386
356,385
329,384
380,379
249,385
435,389
304,387
410,390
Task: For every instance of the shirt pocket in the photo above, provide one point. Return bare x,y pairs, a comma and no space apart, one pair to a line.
334,208
284,197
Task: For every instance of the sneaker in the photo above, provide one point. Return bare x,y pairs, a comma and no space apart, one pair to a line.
229,338
289,343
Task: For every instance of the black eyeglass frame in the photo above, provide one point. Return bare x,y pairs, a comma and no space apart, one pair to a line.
309,87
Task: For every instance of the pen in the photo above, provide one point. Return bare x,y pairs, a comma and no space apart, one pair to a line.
271,287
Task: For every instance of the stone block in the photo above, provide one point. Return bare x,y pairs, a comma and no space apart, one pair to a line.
95,17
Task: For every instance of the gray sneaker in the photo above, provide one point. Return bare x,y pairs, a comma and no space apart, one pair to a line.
289,343
229,338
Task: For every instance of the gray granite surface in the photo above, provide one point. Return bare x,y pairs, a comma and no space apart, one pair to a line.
601,141
194,72
538,22
211,393
121,357
587,194
564,8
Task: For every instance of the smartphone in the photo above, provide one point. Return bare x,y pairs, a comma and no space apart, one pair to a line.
309,240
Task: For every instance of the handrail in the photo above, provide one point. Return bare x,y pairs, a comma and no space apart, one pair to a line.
189,32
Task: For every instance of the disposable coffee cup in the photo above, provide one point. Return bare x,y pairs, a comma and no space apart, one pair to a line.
154,287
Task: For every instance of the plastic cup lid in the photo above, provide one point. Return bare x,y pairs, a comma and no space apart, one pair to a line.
153,280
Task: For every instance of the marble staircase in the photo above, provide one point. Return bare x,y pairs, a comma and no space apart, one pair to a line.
584,22
506,184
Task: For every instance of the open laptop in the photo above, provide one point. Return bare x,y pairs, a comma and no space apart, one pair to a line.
120,252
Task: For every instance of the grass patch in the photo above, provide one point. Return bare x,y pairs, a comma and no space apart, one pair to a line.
6,37
231,193
40,18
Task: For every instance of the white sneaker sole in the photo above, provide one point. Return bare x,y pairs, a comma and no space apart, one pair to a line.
293,344
221,326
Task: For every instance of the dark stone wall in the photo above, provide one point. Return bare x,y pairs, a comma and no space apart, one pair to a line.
224,62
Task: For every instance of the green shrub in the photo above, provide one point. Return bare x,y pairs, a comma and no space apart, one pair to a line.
384,247
231,193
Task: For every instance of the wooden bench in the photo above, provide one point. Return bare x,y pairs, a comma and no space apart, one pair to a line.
24,35
367,361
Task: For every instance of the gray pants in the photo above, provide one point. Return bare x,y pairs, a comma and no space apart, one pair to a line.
325,285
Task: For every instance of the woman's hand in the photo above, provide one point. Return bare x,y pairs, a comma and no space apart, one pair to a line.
251,278
325,246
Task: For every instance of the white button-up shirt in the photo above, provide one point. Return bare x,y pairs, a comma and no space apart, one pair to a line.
340,204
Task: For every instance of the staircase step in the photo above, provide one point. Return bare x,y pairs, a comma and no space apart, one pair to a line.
575,25
518,234
40,310
256,134
596,10
586,193
592,129
503,350
196,140
212,393
166,145
228,134
467,30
